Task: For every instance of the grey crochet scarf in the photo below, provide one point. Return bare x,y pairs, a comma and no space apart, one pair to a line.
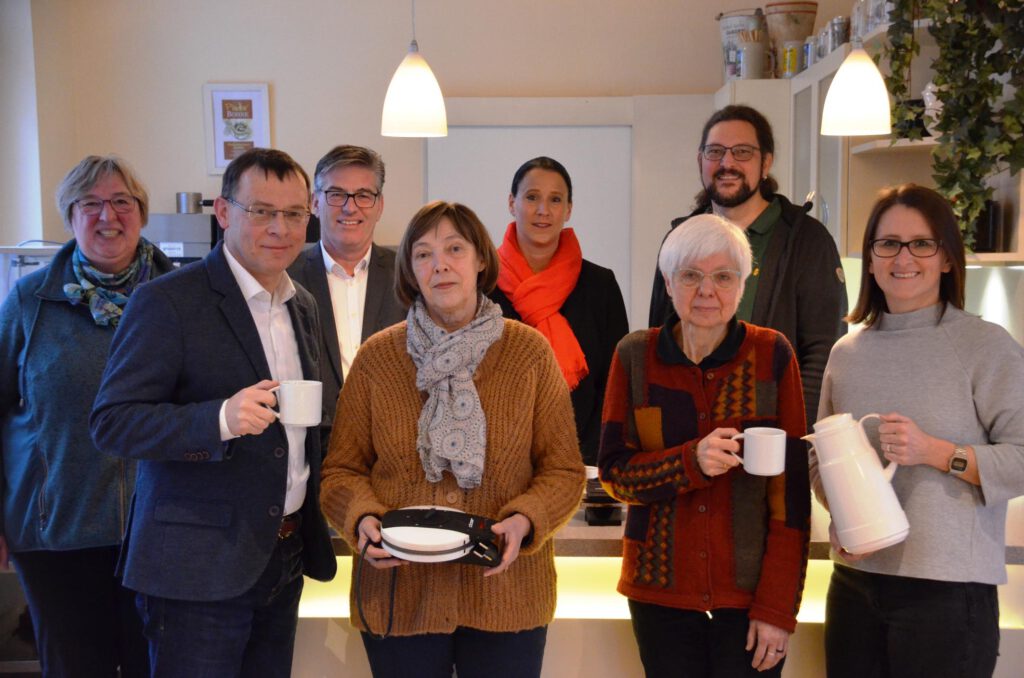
452,428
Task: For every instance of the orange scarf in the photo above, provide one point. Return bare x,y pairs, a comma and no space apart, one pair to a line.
537,297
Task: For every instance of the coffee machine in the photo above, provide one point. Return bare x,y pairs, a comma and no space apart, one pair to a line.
189,234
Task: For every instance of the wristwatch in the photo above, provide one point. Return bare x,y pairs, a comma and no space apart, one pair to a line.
958,462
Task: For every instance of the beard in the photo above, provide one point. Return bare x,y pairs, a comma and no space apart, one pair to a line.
742,194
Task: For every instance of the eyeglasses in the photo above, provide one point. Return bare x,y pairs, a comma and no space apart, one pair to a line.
261,216
888,248
363,199
723,278
122,204
740,152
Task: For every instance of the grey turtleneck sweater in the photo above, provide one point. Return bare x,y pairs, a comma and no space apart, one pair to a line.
961,379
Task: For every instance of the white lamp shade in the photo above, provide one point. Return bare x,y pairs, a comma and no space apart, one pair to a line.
857,103
413,106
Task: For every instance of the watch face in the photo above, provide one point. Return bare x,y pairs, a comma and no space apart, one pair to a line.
958,465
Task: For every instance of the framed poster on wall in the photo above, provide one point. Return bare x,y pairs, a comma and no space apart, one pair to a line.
237,119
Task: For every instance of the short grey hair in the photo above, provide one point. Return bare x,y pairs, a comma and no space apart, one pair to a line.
346,156
80,181
703,236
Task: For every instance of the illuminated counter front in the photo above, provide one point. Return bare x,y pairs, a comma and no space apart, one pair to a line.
591,635
588,560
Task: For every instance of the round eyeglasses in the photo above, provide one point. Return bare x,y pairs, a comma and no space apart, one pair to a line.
887,248
363,199
740,152
262,216
122,204
723,278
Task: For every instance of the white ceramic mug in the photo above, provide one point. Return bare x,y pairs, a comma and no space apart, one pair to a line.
764,450
299,402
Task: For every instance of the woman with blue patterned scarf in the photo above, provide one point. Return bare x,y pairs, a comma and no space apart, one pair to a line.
62,502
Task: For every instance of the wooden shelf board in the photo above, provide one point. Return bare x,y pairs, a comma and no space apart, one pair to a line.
878,36
903,145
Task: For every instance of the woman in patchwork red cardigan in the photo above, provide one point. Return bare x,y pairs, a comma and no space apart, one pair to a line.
714,558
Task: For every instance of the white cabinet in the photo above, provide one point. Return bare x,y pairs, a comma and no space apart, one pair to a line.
819,163
846,173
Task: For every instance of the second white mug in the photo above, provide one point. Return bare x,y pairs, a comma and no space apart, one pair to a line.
764,450
299,402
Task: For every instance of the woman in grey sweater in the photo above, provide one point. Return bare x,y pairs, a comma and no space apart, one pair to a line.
950,388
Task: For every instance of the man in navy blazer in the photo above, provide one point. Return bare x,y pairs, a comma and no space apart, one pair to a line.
351,277
225,519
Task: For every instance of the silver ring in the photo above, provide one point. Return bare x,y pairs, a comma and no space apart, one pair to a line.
772,651
888,447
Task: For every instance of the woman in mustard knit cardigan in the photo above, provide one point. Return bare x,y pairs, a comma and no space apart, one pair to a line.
459,408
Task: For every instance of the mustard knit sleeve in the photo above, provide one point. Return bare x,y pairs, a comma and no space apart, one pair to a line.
346,494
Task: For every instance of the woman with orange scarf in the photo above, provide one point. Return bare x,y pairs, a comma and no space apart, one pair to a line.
546,283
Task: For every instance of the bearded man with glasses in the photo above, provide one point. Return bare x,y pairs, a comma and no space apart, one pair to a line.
797,283
350,277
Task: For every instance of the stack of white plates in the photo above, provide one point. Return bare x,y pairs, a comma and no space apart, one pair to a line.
422,544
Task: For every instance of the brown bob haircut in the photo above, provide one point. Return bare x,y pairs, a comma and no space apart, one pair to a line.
940,218
466,224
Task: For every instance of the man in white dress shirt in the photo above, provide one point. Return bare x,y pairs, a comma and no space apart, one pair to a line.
351,278
225,519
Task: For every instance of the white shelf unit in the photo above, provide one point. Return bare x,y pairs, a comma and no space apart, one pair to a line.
819,164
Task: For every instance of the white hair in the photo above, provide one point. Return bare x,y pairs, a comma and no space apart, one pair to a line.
701,237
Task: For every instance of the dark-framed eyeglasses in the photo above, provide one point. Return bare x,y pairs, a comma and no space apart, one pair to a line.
122,204
887,248
740,152
261,216
723,278
363,199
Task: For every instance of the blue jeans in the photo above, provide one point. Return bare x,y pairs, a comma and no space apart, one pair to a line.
250,635
884,626
474,653
84,620
677,643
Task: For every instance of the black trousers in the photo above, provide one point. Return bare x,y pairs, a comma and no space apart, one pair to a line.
84,620
676,643
474,653
884,626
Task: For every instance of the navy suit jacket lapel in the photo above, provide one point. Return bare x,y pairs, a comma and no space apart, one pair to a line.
234,308
305,337
317,286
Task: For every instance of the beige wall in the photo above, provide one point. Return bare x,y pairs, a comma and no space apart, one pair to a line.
127,76
19,172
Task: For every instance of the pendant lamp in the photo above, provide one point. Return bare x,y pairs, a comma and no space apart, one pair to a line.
414,106
857,103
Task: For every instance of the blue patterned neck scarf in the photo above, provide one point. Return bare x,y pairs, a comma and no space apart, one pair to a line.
452,433
107,293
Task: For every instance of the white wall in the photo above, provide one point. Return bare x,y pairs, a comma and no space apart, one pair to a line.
19,131
127,76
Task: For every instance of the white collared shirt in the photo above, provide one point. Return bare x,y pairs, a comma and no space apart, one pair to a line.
348,296
282,352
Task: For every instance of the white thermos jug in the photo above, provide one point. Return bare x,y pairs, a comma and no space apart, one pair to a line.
864,507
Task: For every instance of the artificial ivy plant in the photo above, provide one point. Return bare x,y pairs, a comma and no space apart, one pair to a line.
979,74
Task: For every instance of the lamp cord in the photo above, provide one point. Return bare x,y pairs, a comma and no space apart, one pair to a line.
414,20
359,596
